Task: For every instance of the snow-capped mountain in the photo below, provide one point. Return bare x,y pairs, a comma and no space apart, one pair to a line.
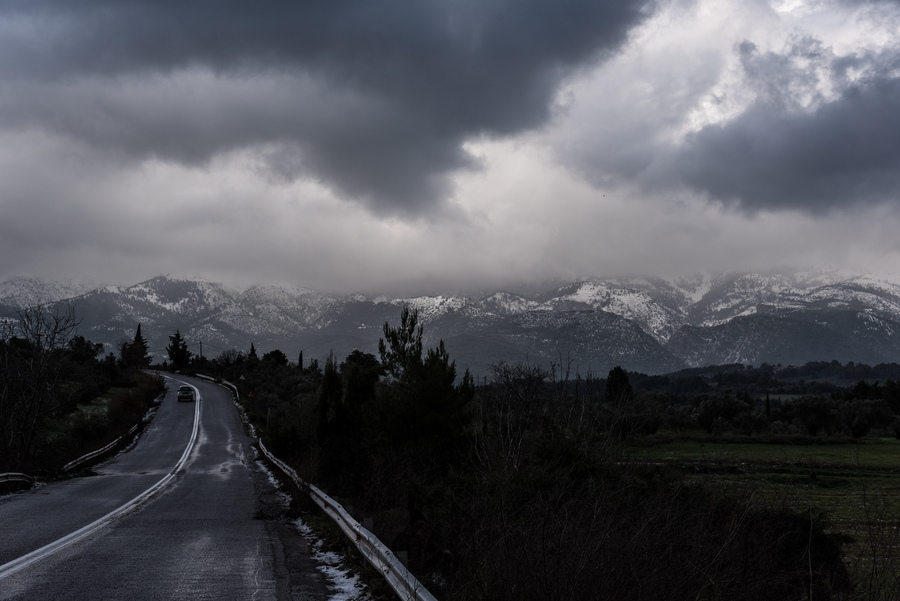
632,300
647,324
504,303
27,292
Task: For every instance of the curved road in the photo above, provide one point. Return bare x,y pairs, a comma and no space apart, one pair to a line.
197,538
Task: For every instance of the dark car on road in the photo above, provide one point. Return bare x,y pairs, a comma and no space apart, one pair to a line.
185,393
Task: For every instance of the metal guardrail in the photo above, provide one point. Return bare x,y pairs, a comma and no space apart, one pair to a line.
75,463
87,457
376,553
16,477
232,388
221,382
49,549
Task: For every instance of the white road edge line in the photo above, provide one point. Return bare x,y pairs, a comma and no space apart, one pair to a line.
37,555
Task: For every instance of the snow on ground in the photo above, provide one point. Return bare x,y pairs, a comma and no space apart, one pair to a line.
694,287
345,586
283,496
21,292
250,429
431,307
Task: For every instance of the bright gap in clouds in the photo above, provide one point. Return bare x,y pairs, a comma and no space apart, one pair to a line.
562,226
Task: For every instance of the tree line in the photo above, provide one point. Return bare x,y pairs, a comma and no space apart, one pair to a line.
51,380
518,486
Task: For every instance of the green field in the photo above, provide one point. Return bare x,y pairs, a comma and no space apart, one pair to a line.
836,478
879,454
856,484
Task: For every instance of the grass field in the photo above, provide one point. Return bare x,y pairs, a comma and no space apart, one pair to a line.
856,484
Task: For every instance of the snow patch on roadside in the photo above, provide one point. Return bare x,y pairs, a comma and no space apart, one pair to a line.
344,585
245,419
284,497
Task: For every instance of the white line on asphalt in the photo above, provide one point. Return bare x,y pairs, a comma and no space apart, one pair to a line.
37,555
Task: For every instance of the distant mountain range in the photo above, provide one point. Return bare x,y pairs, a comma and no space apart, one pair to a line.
650,325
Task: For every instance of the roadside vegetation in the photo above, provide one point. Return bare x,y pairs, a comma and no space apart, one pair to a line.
533,482
60,397
539,483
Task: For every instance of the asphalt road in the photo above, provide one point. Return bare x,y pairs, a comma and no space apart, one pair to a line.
210,533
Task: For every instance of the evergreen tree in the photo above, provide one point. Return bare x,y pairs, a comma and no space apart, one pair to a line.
360,372
422,406
278,357
252,358
134,354
401,347
139,340
178,351
618,388
330,395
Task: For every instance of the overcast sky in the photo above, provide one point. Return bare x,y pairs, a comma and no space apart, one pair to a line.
425,146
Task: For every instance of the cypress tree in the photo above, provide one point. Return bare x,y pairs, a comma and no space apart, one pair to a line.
135,354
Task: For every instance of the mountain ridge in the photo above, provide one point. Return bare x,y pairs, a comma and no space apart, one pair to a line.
646,324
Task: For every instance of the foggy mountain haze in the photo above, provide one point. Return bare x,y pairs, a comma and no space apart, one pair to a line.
422,147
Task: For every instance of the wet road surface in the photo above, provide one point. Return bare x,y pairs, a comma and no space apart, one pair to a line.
198,538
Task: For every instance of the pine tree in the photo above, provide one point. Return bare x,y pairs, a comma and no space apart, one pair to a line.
401,347
178,351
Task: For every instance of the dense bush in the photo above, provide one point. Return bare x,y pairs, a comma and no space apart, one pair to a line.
128,406
631,536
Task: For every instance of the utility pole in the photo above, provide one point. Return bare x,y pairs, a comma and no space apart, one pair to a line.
201,349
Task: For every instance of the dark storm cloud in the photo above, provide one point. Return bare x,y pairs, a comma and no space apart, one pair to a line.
418,78
777,155
792,149
845,153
